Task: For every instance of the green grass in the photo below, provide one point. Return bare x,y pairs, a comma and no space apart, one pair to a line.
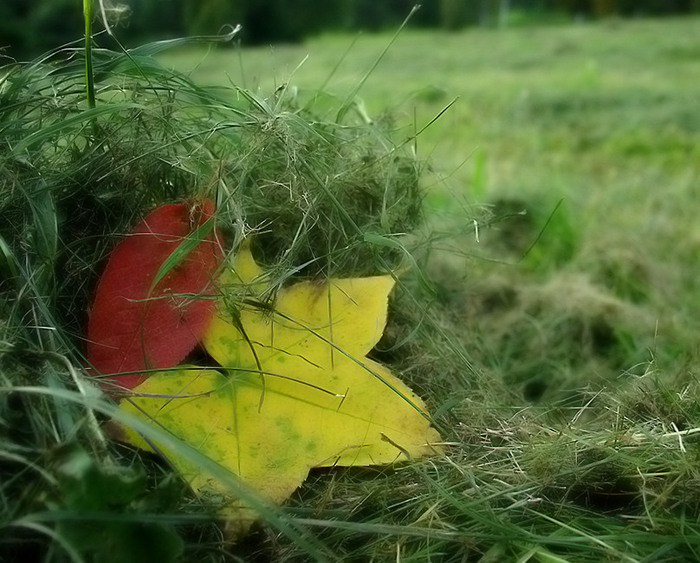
591,130
557,348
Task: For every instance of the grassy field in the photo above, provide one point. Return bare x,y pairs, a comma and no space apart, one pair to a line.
551,325
577,152
590,130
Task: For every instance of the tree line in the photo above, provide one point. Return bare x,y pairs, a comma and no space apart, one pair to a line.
30,28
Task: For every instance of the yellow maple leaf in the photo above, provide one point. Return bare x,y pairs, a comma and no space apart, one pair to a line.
299,391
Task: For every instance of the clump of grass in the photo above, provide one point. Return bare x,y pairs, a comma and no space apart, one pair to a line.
537,232
552,338
320,198
315,193
320,193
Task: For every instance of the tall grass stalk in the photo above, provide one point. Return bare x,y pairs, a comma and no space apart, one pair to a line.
89,74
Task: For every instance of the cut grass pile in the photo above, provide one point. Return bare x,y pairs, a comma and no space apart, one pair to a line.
547,312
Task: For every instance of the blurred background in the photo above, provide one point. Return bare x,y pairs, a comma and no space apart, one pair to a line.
29,28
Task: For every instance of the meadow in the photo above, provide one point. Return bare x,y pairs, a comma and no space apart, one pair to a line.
547,310
570,151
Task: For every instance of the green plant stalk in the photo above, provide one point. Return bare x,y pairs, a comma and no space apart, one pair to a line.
89,77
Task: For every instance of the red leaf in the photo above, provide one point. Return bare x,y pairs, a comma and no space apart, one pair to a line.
134,326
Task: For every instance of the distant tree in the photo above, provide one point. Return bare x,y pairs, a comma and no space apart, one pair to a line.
30,27
602,8
206,17
428,15
155,19
266,20
456,14
13,17
52,24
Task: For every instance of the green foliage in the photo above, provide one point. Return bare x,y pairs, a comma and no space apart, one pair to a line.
603,8
25,33
94,495
454,14
64,495
74,177
357,184
563,377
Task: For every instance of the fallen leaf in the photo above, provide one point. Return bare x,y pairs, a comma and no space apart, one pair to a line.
153,300
299,391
